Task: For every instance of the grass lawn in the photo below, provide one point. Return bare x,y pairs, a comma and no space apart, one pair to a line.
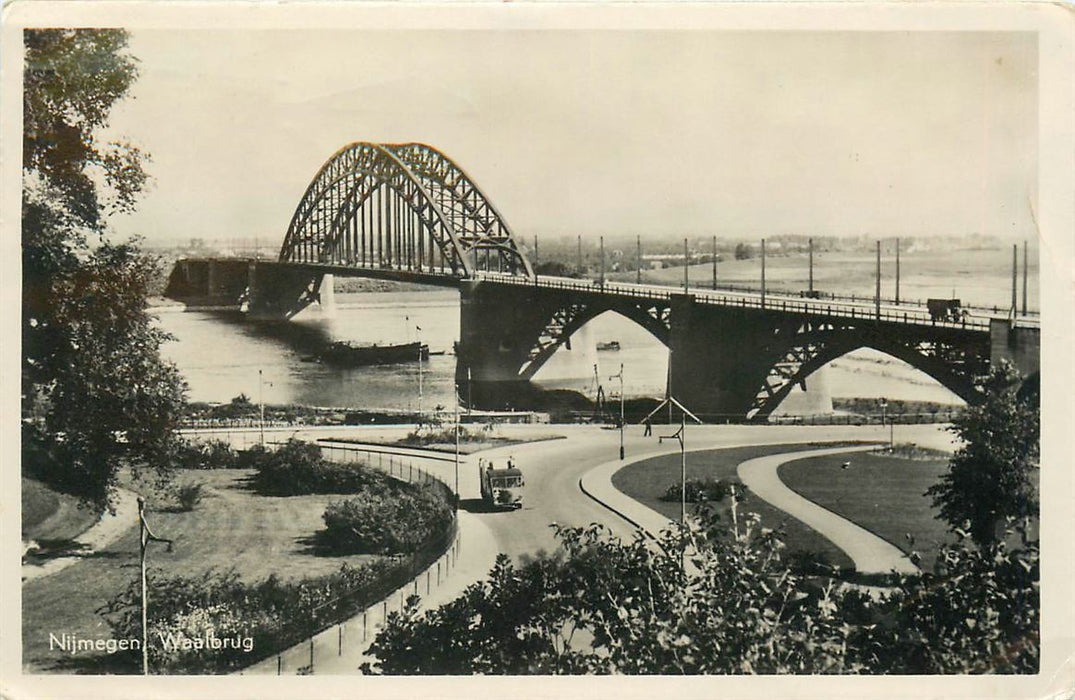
645,482
48,515
882,494
232,528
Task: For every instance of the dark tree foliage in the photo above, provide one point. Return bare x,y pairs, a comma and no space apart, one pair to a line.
95,391
992,477
736,608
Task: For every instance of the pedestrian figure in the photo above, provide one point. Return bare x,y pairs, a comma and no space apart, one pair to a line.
649,427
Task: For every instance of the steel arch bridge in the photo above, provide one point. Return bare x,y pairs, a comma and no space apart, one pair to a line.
404,207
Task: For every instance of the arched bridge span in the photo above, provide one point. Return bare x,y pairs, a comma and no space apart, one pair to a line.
404,207
406,211
727,359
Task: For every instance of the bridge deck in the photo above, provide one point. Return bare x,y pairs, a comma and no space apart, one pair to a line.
890,313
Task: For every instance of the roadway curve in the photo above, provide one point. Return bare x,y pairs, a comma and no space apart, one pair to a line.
870,553
554,470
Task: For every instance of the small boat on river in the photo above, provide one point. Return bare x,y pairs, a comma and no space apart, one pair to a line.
610,345
348,354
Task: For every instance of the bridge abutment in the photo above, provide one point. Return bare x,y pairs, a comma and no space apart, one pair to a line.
278,292
497,326
717,360
1019,345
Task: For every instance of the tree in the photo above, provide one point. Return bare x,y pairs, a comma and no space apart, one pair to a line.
611,607
743,251
95,389
992,476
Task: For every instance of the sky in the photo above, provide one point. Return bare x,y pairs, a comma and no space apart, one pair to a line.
733,133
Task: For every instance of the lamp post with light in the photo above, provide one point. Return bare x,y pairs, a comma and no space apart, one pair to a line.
884,419
620,377
145,536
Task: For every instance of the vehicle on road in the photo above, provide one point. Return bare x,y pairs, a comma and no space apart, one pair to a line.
501,488
949,310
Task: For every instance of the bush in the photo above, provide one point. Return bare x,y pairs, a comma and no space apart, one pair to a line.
387,518
426,435
189,495
700,490
258,619
297,468
210,454
738,609
272,614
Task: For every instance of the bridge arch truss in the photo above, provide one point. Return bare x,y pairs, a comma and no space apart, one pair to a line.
404,207
951,357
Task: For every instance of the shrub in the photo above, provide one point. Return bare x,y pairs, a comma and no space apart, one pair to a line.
189,495
426,435
700,490
387,518
298,468
208,454
737,609
263,617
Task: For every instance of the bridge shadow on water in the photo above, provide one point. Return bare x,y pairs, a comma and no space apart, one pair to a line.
307,338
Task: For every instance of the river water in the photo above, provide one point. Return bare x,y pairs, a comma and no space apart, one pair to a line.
222,355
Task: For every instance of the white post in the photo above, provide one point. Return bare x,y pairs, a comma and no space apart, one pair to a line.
683,469
261,405
142,541
621,411
419,337
456,389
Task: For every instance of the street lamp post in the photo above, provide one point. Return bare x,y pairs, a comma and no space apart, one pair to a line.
145,536
620,377
680,436
419,337
261,408
884,419
456,391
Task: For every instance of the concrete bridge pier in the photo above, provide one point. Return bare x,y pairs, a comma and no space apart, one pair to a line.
498,325
718,358
278,292
326,297
1019,345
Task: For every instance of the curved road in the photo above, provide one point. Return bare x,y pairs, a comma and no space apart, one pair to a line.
553,470
870,553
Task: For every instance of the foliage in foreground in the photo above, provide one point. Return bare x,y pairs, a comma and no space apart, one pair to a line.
612,607
275,614
992,477
217,623
93,383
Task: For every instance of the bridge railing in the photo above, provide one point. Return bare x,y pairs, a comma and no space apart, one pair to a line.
865,310
993,310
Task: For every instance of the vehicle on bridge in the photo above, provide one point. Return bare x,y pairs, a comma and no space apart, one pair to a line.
500,488
946,310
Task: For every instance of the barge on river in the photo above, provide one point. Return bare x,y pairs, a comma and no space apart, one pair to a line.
348,354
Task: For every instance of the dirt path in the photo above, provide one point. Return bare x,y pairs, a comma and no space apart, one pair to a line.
870,553
102,533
